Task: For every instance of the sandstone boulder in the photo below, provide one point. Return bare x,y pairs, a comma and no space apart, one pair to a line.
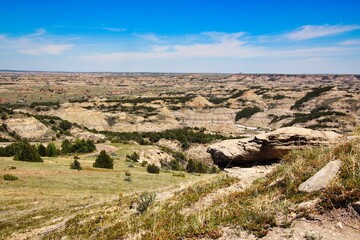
268,146
322,178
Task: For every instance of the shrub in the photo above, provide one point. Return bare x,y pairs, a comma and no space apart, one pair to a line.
75,164
104,161
152,168
127,173
79,146
127,179
66,147
175,165
51,150
9,177
27,153
4,116
144,201
194,166
10,150
247,113
133,157
65,125
42,150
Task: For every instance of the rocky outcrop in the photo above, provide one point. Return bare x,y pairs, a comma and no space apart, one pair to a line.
199,102
322,178
28,128
154,156
268,146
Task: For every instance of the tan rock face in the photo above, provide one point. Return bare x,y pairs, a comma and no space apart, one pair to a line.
81,134
268,146
199,102
29,128
154,156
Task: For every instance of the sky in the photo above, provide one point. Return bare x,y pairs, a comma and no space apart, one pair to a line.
225,36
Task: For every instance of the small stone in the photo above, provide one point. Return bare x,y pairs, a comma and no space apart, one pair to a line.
356,206
340,225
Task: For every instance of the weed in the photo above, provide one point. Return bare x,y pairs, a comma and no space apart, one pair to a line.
144,201
9,177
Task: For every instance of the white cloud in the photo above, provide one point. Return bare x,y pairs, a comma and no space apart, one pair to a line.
48,49
350,42
159,48
316,31
149,37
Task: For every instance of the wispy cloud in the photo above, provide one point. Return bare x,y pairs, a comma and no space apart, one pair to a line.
38,33
48,49
110,29
35,44
224,37
350,42
316,31
149,37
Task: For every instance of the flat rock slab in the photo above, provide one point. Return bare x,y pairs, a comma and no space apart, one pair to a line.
322,178
268,146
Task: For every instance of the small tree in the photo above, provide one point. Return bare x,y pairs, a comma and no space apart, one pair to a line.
42,150
152,168
104,161
27,153
65,147
75,164
51,150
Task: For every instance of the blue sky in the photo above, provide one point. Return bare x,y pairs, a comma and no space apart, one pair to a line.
181,36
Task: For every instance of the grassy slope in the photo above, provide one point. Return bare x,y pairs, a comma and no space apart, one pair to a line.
269,202
48,190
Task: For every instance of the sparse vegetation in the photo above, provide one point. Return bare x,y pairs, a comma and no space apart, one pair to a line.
247,112
26,152
134,157
310,95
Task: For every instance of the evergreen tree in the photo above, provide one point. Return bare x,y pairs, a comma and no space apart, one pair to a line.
51,150
66,147
104,161
28,153
75,164
42,150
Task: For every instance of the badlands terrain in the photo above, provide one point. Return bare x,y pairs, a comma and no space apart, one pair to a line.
254,140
